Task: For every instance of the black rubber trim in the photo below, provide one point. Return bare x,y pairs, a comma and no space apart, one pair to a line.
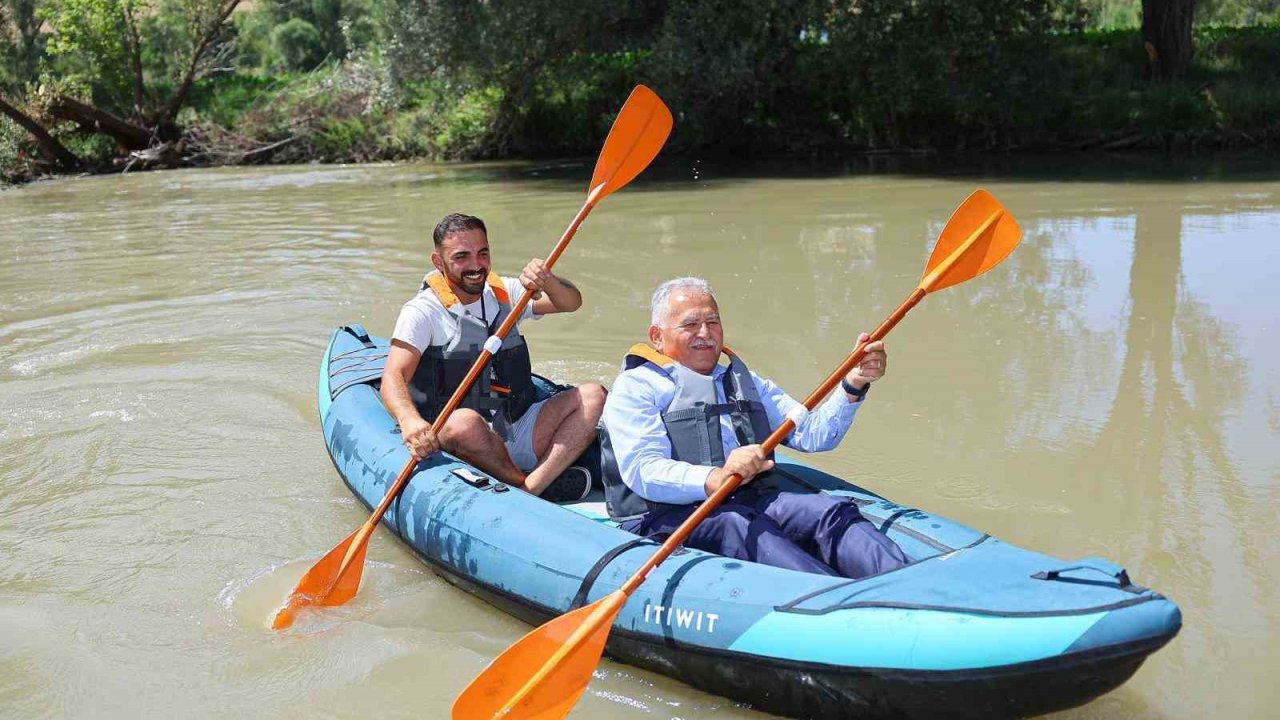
355,366
359,333
884,528
977,611
584,589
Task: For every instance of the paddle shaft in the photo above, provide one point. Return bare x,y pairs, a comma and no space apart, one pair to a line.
463,387
774,440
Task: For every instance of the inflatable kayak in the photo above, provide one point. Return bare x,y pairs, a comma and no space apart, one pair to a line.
972,628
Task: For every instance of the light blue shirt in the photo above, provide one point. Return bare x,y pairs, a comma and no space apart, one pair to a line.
633,414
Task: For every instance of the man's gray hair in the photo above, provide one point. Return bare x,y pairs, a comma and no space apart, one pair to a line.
658,304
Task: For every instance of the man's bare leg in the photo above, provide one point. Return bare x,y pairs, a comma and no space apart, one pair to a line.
565,426
468,436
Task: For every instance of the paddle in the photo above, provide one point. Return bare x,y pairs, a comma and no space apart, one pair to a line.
542,676
637,135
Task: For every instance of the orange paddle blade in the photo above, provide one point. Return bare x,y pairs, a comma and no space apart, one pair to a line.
638,133
542,676
327,582
980,233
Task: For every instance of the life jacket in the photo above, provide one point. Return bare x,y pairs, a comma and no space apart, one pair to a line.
692,422
503,391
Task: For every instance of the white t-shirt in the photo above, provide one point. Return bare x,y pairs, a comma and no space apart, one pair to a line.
425,321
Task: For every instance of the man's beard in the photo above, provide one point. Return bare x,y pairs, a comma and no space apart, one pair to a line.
472,284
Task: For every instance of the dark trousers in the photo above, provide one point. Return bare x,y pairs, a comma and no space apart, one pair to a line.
813,533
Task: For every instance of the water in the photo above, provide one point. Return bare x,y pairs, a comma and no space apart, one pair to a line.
1111,389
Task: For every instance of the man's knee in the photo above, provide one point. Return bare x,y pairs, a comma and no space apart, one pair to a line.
592,397
464,429
734,528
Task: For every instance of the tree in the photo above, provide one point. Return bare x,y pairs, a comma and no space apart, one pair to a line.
52,152
20,45
138,60
1166,35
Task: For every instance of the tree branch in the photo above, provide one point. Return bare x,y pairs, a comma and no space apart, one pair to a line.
54,152
132,137
207,35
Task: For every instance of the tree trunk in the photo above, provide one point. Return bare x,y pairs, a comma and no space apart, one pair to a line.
133,45
27,22
207,35
53,152
1166,35
130,136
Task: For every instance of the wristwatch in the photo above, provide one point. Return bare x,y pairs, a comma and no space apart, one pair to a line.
855,393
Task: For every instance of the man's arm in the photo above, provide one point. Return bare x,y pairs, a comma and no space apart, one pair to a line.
632,412
402,363
557,294
826,426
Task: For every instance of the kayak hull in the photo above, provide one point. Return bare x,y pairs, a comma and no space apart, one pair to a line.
973,628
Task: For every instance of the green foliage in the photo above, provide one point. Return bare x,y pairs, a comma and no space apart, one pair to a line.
732,65
21,43
466,126
359,80
89,41
119,47
298,45
94,149
13,152
301,34
222,99
1127,14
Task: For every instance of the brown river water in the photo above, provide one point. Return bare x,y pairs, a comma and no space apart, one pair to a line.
1112,389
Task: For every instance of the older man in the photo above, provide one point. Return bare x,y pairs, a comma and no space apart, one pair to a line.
678,424
500,426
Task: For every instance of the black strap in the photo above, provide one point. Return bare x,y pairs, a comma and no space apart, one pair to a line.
590,578
359,333
884,528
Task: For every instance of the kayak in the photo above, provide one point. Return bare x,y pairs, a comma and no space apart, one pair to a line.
973,627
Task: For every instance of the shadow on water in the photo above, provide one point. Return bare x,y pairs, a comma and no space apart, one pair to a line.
573,173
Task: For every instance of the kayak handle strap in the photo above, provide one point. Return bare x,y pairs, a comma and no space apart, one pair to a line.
1097,565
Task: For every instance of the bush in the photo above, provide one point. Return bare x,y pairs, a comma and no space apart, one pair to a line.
298,45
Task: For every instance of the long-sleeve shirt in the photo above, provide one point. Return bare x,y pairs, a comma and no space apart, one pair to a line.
633,414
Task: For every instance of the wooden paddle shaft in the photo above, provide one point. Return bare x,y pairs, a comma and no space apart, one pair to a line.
774,440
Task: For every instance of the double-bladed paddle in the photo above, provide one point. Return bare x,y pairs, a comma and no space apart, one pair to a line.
638,133
542,676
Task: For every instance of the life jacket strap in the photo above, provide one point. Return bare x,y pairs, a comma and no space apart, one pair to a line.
642,352
440,286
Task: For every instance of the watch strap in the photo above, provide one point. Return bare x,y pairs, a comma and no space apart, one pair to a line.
854,392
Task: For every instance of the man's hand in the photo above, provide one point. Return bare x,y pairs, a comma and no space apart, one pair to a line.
551,294
418,437
747,461
872,366
536,277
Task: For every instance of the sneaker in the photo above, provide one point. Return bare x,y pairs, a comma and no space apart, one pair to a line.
573,485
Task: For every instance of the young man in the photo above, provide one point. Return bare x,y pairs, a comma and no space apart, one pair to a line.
499,427
678,424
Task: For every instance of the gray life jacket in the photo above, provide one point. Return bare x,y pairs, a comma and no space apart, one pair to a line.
692,422
503,391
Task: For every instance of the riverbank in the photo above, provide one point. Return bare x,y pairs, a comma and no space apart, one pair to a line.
1082,92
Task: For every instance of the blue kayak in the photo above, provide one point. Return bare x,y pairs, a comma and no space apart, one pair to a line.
972,628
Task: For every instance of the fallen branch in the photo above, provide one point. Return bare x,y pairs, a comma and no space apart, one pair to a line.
128,135
54,153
